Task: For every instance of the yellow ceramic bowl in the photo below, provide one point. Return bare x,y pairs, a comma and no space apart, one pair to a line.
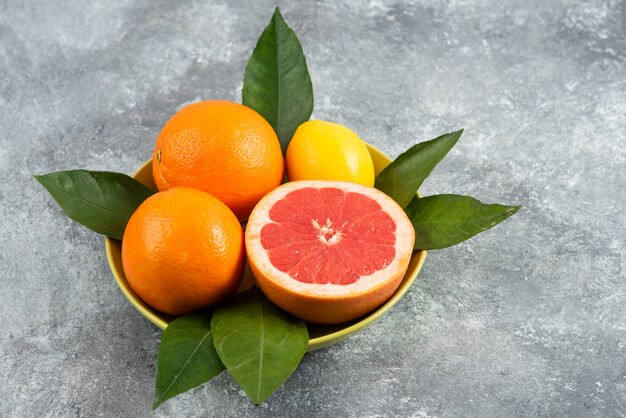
320,335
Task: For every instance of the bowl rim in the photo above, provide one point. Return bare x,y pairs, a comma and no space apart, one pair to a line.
417,259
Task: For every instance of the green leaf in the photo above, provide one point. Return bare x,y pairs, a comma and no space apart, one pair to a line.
259,344
276,81
100,200
403,177
186,357
444,220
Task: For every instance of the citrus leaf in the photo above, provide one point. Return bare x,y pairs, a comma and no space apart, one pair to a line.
403,177
276,81
259,344
186,357
445,220
100,200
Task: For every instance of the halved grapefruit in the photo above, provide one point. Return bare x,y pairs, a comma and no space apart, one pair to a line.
328,251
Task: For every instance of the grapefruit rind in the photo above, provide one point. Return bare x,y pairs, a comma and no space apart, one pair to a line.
328,303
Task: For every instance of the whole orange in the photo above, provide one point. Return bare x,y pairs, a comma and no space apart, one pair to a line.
183,250
223,148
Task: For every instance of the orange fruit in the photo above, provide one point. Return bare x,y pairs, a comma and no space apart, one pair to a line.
182,251
328,251
223,148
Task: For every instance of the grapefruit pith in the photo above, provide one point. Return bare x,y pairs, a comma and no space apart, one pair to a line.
328,251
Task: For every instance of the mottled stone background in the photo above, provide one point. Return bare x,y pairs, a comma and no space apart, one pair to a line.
528,319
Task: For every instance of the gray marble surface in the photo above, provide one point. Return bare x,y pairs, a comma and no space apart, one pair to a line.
528,319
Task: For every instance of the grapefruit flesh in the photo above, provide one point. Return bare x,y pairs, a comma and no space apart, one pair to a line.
328,251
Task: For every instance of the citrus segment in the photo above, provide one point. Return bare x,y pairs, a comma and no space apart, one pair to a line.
342,235
328,251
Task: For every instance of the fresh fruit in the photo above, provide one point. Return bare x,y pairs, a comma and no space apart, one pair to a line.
328,251
321,150
223,148
183,250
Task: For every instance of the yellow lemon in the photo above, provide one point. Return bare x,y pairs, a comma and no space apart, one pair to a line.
321,150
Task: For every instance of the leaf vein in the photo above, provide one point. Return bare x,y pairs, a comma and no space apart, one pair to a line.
175,379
